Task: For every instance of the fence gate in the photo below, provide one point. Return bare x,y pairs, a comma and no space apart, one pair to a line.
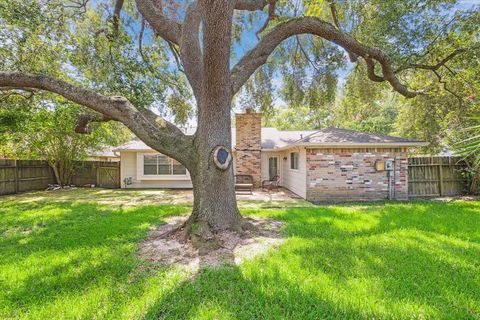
108,177
435,177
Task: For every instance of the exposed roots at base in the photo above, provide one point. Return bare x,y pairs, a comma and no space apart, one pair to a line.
194,245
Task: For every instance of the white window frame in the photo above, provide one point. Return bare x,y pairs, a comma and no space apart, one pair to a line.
291,154
169,177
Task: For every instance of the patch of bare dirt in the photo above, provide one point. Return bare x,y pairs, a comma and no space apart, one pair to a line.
164,245
455,198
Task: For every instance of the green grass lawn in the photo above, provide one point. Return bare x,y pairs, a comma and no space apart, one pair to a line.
73,255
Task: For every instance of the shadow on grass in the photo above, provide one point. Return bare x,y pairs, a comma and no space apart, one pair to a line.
458,219
52,249
380,260
227,293
387,260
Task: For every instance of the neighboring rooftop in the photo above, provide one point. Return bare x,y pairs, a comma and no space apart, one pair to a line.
273,138
105,152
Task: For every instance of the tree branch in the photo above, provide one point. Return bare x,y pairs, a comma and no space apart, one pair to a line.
79,5
116,15
334,13
439,64
442,63
190,51
147,61
446,88
156,132
371,71
164,27
311,25
11,91
176,55
250,5
271,16
305,54
84,120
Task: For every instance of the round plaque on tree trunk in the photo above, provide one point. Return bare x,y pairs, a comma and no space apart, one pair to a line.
222,157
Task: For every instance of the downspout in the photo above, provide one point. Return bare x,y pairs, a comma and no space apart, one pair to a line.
394,173
390,173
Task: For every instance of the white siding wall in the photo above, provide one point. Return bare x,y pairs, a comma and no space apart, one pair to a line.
294,180
131,167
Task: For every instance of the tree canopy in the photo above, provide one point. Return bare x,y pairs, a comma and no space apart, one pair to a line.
84,38
434,43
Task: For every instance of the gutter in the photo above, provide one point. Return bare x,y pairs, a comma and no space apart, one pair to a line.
352,145
335,145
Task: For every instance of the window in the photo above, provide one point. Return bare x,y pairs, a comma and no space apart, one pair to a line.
294,160
159,164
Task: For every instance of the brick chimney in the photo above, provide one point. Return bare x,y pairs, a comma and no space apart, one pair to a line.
248,144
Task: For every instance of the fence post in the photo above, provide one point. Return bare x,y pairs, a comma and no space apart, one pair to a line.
97,173
15,176
440,179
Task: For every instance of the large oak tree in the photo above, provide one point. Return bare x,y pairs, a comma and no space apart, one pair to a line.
200,34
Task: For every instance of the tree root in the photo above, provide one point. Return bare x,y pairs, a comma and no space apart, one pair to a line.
197,244
205,238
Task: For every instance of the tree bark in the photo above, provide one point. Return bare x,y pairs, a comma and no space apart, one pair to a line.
215,205
56,172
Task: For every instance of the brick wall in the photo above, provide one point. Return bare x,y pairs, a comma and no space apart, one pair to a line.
350,175
248,144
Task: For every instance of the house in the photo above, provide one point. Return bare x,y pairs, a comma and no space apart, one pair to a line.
319,165
106,154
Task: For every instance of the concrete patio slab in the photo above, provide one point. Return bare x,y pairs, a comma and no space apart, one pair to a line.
138,197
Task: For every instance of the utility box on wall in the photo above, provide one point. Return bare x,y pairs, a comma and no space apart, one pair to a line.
389,165
384,165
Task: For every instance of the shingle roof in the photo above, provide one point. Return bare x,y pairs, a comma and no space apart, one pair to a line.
337,135
105,152
273,138
134,145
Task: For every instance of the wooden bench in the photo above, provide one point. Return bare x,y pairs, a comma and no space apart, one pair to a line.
244,183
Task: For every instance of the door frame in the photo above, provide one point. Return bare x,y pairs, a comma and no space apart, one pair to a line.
277,157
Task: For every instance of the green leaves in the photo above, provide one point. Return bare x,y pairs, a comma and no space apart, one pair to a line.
59,39
40,129
469,147
308,71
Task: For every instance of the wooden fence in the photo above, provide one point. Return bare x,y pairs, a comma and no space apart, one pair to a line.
28,175
435,177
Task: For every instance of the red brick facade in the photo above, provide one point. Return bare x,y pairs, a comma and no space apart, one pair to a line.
350,175
248,144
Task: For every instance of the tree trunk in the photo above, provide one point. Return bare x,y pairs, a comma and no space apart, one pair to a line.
215,204
56,172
